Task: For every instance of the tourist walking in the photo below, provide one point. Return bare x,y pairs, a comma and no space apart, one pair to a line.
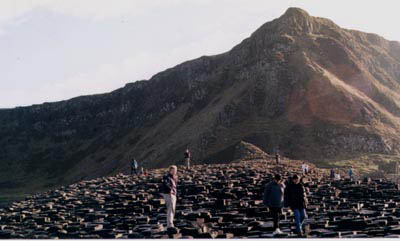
168,192
134,166
273,199
187,158
297,201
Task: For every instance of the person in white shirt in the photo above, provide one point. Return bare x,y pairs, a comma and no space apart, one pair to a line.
304,167
337,176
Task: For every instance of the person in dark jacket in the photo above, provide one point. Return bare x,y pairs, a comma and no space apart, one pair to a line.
187,158
297,201
168,192
332,174
273,199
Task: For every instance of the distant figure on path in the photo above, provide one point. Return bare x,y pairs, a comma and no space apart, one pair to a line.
134,166
297,201
304,167
187,158
332,173
337,175
277,157
274,198
351,173
168,192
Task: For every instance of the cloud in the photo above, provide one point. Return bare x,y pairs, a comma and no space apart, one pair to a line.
12,10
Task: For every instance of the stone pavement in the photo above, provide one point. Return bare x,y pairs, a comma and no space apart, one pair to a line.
214,201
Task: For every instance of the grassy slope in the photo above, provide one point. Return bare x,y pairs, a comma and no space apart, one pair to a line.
364,165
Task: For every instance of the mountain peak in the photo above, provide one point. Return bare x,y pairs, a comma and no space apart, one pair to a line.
296,21
296,13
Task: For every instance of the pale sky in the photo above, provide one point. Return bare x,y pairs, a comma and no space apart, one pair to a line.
54,50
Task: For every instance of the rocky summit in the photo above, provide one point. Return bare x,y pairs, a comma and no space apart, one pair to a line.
300,84
214,201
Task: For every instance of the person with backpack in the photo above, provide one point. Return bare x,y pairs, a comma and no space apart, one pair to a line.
168,192
273,199
134,166
187,158
297,201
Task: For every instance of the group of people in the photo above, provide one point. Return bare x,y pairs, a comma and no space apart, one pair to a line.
334,174
278,195
135,168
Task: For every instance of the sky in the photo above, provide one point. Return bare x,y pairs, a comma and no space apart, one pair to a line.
53,50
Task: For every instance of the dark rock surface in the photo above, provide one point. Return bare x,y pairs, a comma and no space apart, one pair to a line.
214,201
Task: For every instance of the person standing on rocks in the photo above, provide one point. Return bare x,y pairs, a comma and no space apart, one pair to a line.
332,173
134,166
273,199
337,175
277,157
304,167
351,173
187,158
168,192
297,201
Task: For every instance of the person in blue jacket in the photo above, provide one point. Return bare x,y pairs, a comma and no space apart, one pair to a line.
351,173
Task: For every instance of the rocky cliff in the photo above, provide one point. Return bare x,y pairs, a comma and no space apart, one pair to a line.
299,83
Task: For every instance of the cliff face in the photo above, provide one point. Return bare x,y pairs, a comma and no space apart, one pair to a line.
299,83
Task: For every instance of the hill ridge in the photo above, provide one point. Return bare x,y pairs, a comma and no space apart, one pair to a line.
271,90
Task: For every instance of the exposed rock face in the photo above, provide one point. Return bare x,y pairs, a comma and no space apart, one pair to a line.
299,83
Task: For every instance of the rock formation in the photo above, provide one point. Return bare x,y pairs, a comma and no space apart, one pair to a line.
299,83
214,201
